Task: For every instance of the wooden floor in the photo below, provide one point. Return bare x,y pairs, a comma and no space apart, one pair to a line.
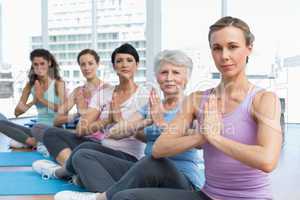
285,179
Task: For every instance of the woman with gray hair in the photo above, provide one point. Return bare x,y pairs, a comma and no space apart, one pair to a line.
172,70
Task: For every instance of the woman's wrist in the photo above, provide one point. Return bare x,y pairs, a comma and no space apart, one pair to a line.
162,125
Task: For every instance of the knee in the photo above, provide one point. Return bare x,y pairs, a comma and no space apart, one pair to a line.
149,163
147,168
80,157
38,130
49,135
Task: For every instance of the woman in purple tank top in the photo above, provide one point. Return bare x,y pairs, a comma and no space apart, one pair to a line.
239,127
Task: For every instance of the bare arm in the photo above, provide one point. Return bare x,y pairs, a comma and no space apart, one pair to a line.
127,128
174,139
63,109
265,154
61,119
85,125
23,106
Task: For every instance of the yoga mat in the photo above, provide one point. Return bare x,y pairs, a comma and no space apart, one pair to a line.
31,183
19,158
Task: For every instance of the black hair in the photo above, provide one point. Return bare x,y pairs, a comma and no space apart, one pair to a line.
125,48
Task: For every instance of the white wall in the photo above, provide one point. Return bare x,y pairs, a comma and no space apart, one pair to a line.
293,95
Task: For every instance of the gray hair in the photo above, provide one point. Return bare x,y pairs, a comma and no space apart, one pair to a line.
175,57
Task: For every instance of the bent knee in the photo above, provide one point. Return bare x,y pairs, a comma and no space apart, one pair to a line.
81,156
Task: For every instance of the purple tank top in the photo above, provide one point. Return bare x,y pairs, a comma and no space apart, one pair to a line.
227,178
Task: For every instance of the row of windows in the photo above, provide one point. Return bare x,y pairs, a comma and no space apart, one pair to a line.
107,36
78,37
81,37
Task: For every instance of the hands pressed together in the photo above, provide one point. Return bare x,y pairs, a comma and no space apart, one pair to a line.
156,109
212,123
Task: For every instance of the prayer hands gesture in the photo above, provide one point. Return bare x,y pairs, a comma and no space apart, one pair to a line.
38,91
115,113
212,124
156,108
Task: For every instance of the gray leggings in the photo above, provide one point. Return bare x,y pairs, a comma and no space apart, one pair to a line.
21,133
58,139
151,173
97,166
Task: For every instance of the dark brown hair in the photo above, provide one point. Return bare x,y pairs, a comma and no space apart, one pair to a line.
53,68
88,51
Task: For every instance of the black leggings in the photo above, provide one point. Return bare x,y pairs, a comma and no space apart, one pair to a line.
151,173
97,166
159,194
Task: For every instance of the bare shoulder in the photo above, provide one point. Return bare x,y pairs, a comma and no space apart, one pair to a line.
192,101
264,98
266,104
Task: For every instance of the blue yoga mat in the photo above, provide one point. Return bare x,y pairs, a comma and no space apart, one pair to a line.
31,183
19,158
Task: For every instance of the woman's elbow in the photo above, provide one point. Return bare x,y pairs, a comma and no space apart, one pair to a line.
156,155
268,166
18,112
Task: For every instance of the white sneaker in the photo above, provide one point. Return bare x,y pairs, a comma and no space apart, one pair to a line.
73,195
42,150
46,168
